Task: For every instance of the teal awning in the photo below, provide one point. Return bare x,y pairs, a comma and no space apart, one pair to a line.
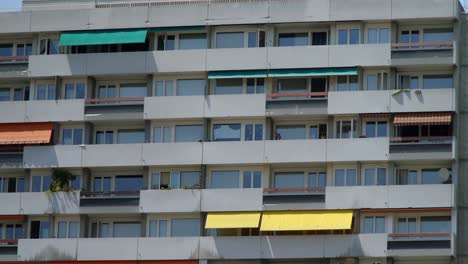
173,29
312,72
101,37
237,74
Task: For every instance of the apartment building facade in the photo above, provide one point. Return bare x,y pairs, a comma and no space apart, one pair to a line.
234,131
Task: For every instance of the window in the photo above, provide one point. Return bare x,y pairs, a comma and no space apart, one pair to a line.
226,132
409,82
409,36
49,46
376,129
348,83
319,38
406,225
345,177
346,129
252,179
75,184
5,94
256,39
228,86
160,180
104,137
253,132
184,179
102,184
377,81
162,134
72,136
435,224
255,86
374,224
6,50
158,228
68,229
193,41
297,85
23,50
437,81
405,177
106,91
20,94
438,35
189,133
11,184
166,42
39,229
225,179
164,88
41,183
289,180
126,229
132,90
375,176
12,231
75,90
226,40
45,92
348,36
191,87
130,136
289,132
317,179
293,39
424,131
185,227
128,183
318,131
431,176
378,35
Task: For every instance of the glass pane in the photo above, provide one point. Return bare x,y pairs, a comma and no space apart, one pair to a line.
80,90
193,41
54,47
168,90
248,132
153,228
380,224
372,82
20,184
78,136
415,36
46,181
292,39
354,36
227,132
430,176
111,92
412,225
157,135
322,179
346,129
260,86
369,176
258,132
126,230
189,179
159,88
69,91
351,178
339,177
109,137
106,187
133,90
68,136
382,129
130,136
437,81
161,39
224,179
438,35
6,50
128,183
185,227
247,180
10,232
342,84
188,133
191,87
228,86
404,37
44,230
97,184
342,37
5,94
402,227
372,36
76,183
104,230
314,134
73,227
353,83
41,93
292,85
370,129
155,180
99,137
289,180
257,179
36,184
162,228
384,35
170,42
18,231
250,86
435,224
252,41
51,92
290,132
319,38
175,180
167,137
229,40
381,176
313,180
62,229
368,224
18,94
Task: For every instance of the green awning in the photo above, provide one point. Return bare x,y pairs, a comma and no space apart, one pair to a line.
101,37
173,29
237,74
312,72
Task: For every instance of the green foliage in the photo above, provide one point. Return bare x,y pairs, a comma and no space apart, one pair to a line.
61,181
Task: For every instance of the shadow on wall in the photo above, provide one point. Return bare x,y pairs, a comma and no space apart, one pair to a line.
63,202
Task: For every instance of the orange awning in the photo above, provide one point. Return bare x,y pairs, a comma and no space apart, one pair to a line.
25,133
441,118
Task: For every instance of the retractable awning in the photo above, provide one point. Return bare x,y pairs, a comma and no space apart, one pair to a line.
233,220
174,29
101,37
409,119
306,220
237,74
25,133
312,72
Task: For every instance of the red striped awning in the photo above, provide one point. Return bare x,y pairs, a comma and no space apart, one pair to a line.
408,119
375,115
25,133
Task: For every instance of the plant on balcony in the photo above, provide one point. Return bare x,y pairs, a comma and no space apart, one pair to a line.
61,181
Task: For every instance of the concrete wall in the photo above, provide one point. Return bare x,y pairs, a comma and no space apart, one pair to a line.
223,200
233,152
170,201
39,203
52,156
189,153
369,149
284,151
42,111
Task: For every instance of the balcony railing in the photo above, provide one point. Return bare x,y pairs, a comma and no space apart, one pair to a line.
440,235
126,100
8,242
286,96
293,190
423,45
438,139
13,59
109,194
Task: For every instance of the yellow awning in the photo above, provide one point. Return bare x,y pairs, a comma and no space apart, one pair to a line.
306,220
233,220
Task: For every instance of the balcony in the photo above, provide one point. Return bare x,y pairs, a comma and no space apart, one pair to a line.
369,149
8,249
114,109
425,53
14,67
109,202
421,148
225,200
420,244
314,103
39,203
233,152
170,201
294,198
57,156
286,151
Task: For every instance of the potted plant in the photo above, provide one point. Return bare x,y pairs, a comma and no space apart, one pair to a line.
61,181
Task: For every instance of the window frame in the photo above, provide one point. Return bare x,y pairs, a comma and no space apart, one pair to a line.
68,221
48,85
74,83
354,132
375,175
6,178
168,219
306,175
171,172
348,28
241,170
345,175
374,223
242,124
419,170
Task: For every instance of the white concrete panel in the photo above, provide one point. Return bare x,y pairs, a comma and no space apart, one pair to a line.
356,197
284,151
359,9
230,247
359,55
10,204
172,153
52,156
177,15
47,249
13,112
52,20
105,18
423,9
299,10
170,201
416,196
166,107
430,100
40,203
293,247
55,110
236,59
358,102
107,249
15,22
225,200
168,248
346,149
104,155
374,245
116,63
298,57
57,65
176,61
235,105
233,152
225,13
